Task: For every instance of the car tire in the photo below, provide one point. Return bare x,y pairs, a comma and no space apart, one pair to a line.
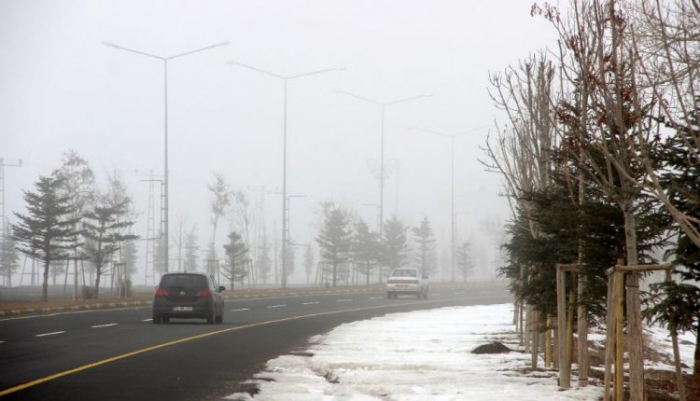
211,319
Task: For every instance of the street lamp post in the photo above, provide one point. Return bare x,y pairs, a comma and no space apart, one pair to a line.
284,79
165,123
451,137
382,170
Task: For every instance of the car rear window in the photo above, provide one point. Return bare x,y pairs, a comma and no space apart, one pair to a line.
184,281
405,273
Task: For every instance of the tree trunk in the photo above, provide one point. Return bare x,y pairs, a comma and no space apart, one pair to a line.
97,281
634,307
45,285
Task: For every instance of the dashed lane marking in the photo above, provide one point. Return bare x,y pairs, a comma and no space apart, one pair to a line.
100,326
240,310
310,303
276,306
50,334
343,300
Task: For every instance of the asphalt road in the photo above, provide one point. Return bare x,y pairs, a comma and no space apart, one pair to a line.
118,354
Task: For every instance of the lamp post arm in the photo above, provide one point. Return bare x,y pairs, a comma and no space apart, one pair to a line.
198,50
407,99
358,97
118,47
250,67
314,73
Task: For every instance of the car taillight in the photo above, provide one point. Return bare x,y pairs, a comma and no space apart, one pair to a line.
161,293
206,293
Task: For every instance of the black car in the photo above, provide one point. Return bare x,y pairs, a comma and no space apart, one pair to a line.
188,296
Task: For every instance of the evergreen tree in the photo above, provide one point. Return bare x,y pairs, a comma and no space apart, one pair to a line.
425,257
395,246
309,262
130,254
191,249
9,258
46,232
366,249
78,184
465,264
335,241
677,304
264,262
236,259
104,226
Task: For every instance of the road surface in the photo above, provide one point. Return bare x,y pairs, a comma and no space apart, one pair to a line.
119,354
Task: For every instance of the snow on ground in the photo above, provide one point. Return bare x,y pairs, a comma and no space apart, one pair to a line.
415,356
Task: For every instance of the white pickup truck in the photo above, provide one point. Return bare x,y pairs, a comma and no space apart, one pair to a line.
407,281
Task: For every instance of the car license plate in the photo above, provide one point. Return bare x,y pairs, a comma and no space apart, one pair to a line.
182,309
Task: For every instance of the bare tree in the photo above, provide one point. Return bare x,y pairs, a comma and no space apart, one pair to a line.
221,200
601,126
521,151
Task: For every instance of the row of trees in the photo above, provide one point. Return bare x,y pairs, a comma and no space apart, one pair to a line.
346,244
344,240
69,219
600,156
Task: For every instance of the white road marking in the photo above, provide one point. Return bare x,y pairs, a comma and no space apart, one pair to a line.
49,334
460,293
147,320
2,342
240,310
376,297
310,303
276,306
99,326
343,300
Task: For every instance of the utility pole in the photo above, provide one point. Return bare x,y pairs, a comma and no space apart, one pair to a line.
3,230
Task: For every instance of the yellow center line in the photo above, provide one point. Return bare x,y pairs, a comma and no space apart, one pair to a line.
183,340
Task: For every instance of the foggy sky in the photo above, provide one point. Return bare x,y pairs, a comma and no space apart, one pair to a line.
61,89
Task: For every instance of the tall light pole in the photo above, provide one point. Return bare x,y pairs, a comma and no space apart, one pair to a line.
452,138
382,170
285,209
165,129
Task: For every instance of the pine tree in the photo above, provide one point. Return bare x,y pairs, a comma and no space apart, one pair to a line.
335,241
191,249
46,232
424,257
465,264
236,259
264,262
309,262
365,249
104,226
9,258
673,303
395,246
